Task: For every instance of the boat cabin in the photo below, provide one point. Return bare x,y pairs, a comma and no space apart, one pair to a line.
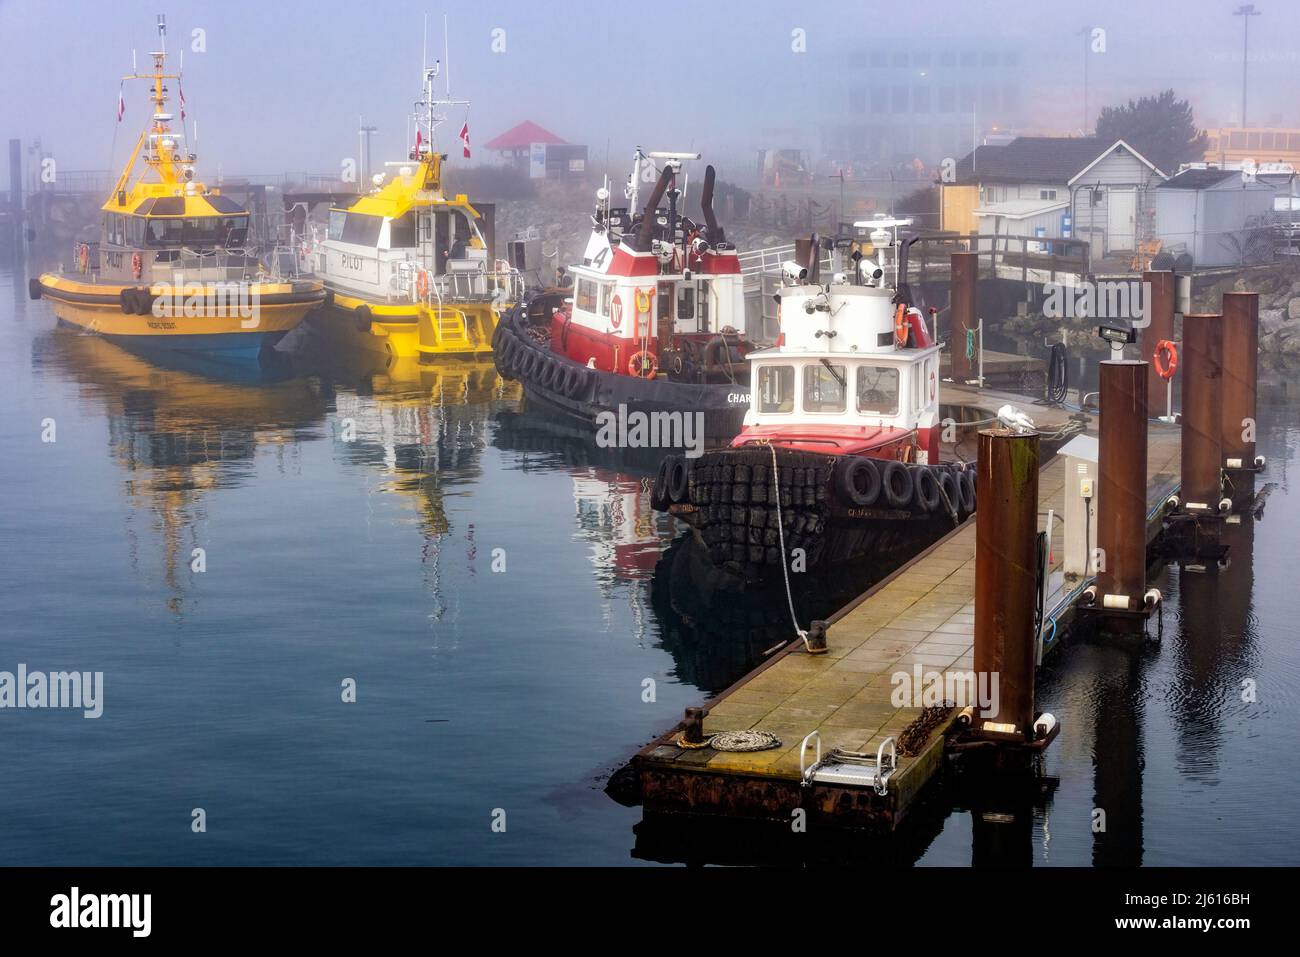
853,373
406,241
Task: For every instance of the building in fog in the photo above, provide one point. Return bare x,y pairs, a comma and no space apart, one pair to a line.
539,152
893,103
1217,217
1058,188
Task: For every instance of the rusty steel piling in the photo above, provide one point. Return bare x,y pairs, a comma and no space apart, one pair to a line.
1161,287
1006,575
1240,371
1202,415
1122,485
965,283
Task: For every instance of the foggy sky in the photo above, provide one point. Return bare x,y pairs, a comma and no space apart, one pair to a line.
281,84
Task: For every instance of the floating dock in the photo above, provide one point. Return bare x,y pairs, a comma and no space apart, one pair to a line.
922,615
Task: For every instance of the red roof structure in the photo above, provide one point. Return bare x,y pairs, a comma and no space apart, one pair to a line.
522,136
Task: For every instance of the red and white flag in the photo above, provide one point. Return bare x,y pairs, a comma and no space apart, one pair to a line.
419,140
464,137
121,105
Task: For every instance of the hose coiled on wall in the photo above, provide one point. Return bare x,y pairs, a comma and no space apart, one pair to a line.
1058,375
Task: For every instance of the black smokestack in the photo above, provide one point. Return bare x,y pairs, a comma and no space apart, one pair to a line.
713,233
648,216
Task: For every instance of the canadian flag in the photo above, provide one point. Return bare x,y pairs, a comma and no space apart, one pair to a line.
121,105
464,137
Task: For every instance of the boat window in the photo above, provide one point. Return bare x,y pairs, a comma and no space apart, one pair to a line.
135,231
685,303
165,232
362,229
401,232
776,388
337,216
604,299
824,388
585,298
878,390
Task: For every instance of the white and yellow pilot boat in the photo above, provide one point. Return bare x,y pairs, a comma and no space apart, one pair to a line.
171,269
407,269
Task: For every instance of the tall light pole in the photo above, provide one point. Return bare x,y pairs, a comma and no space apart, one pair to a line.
1087,49
363,135
1245,11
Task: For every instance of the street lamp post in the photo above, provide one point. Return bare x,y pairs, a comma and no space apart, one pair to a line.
1245,11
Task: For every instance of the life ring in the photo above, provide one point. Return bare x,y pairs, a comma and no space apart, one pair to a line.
1165,348
643,301
644,364
901,325
137,265
934,384
422,283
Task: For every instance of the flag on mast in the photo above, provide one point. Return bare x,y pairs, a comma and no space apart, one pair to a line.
121,104
180,90
464,137
419,139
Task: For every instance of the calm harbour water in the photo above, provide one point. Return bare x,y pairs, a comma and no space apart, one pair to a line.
477,690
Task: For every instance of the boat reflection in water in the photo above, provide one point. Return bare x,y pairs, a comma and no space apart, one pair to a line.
180,425
421,425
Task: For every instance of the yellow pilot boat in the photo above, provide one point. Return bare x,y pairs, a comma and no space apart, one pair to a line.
408,269
171,269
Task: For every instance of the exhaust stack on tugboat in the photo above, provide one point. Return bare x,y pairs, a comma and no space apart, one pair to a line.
838,456
655,321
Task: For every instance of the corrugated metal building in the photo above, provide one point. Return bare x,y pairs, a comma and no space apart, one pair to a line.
1216,216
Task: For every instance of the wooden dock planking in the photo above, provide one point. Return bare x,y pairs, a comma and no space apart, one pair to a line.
923,614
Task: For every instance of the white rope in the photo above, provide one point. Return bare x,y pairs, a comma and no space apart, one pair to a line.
780,530
749,740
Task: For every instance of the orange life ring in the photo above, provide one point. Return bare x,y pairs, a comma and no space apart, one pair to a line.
1165,348
137,265
422,283
901,325
83,256
643,364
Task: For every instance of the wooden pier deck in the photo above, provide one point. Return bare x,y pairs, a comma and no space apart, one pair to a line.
923,614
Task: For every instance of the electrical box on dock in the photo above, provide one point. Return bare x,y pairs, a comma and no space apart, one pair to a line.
1080,508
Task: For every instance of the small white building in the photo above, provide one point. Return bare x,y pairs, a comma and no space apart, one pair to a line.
1217,216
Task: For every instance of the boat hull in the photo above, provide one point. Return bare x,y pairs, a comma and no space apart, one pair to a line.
742,519
213,325
408,330
584,394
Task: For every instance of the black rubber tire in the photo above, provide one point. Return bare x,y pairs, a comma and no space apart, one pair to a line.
659,491
896,485
127,299
966,483
925,490
363,318
679,479
948,483
34,289
575,381
859,481
528,364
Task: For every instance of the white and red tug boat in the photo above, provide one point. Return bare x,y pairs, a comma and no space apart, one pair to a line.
654,321
839,451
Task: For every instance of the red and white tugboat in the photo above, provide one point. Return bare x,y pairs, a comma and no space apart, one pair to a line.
654,322
839,453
